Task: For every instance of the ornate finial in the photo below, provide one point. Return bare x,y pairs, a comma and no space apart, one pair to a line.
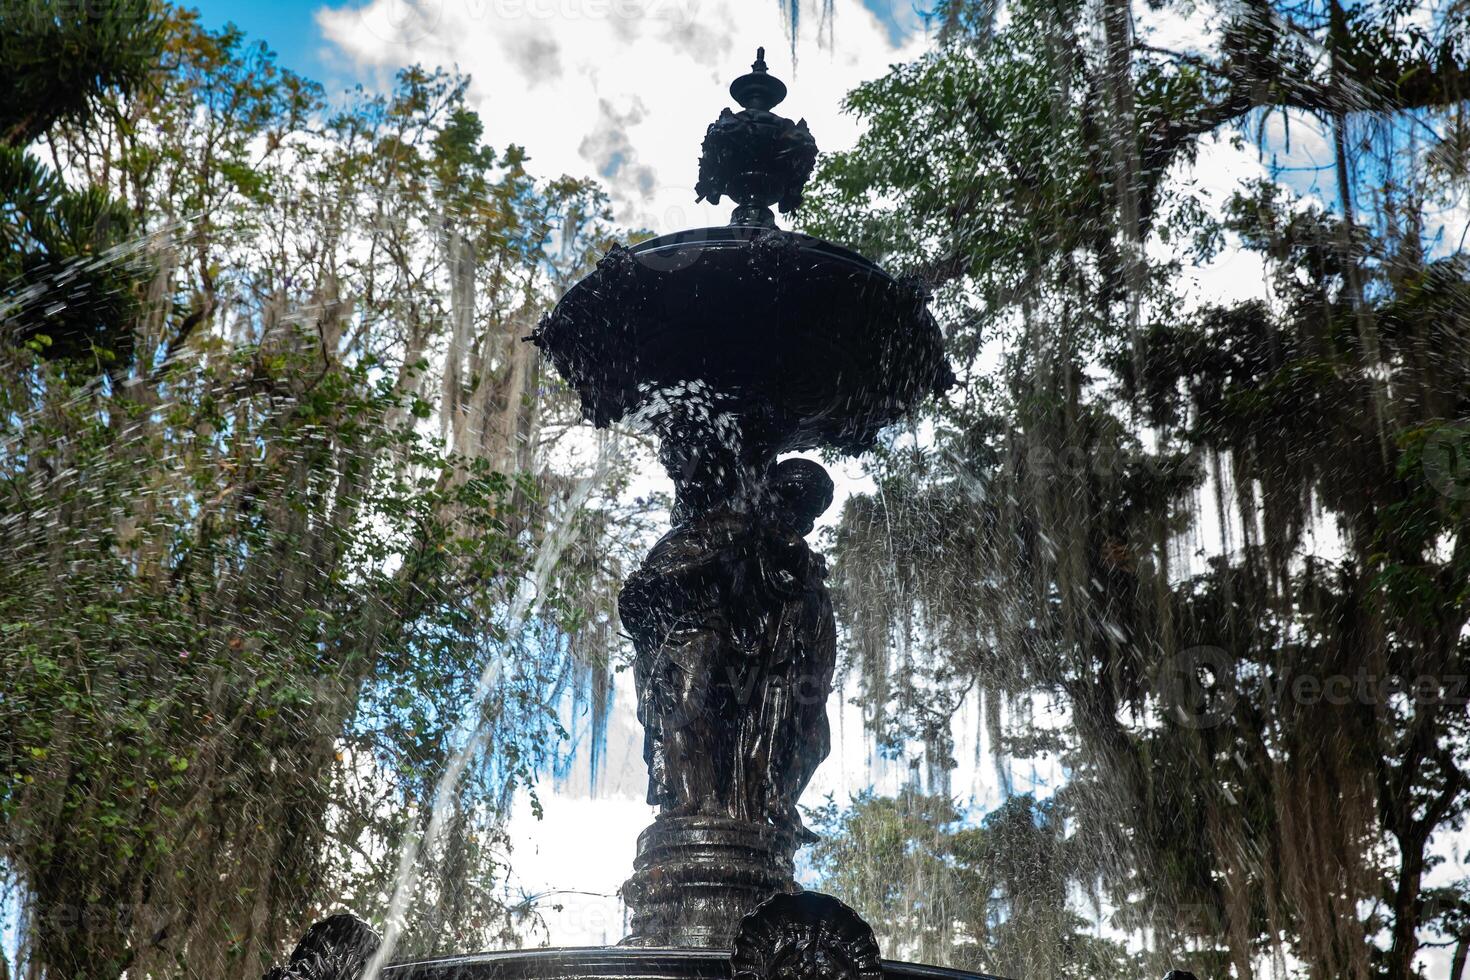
755,156
759,90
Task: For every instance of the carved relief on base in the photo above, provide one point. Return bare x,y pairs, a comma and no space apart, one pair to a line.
336,948
805,936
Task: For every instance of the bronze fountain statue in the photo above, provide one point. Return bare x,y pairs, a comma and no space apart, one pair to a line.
734,345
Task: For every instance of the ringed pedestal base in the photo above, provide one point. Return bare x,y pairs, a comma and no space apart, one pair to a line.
695,877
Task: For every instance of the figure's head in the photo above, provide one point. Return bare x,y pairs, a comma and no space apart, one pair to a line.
804,490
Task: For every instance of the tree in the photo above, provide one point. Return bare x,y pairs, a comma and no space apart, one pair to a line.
62,60
988,897
1055,546
248,586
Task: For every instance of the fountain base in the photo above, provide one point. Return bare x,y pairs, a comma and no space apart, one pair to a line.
696,876
616,963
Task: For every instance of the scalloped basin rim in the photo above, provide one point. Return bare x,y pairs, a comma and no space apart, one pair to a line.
622,962
741,235
819,344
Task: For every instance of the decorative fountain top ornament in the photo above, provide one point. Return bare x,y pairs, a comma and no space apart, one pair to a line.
807,343
755,157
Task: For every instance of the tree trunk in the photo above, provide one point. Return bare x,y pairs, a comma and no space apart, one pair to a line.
1399,963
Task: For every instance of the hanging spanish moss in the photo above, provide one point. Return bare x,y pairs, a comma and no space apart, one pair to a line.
791,16
1220,537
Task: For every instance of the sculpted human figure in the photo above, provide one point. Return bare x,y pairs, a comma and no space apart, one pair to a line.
736,647
789,736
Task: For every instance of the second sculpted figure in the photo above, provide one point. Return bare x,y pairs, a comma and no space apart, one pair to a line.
735,649
736,646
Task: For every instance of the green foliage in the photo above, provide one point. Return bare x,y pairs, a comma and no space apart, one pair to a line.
991,897
62,242
59,59
248,586
153,663
1227,541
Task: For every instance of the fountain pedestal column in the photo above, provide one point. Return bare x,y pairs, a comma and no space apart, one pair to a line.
735,649
695,877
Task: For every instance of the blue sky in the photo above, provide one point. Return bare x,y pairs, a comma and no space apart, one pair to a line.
290,27
901,17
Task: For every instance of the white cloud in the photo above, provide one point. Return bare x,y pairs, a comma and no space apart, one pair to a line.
620,90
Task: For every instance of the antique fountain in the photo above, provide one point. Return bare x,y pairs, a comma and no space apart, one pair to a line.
734,344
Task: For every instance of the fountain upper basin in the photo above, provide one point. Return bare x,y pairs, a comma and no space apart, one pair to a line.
808,341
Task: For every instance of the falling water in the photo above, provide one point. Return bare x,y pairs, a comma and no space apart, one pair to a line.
1006,582
524,605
